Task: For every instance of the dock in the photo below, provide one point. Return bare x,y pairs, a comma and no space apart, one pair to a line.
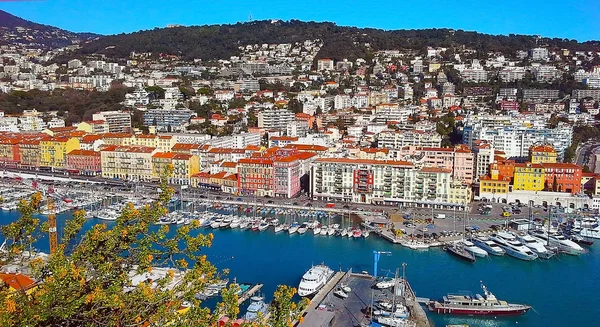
328,310
248,294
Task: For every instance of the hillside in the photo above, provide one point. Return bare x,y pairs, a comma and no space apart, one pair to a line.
15,30
222,41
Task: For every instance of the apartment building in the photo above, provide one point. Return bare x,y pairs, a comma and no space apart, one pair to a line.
184,166
275,119
256,176
542,154
85,162
133,163
286,172
118,121
380,181
400,139
515,140
168,119
53,152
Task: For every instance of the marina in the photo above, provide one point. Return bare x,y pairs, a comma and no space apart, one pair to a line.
431,272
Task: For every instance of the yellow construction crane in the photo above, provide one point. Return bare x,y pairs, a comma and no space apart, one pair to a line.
52,225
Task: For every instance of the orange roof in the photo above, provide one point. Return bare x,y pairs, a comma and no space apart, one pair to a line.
219,175
528,164
229,164
18,282
260,161
306,147
182,156
291,158
560,165
87,153
63,129
283,138
374,150
90,138
125,148
95,122
252,148
365,161
232,177
115,135
163,155
305,155
185,146
542,148
434,170
201,174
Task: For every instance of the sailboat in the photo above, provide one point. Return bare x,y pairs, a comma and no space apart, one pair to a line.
399,312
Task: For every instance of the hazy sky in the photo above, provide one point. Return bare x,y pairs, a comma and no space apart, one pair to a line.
567,19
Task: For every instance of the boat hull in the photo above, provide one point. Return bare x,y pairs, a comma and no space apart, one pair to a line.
476,312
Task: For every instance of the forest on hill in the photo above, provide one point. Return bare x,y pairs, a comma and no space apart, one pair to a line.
222,41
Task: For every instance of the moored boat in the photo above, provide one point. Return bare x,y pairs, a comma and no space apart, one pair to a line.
509,243
459,252
488,245
486,305
314,279
473,249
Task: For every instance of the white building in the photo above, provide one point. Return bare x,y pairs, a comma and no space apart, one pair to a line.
275,118
118,121
400,139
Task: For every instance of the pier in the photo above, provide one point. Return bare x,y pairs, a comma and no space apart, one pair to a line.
248,294
327,309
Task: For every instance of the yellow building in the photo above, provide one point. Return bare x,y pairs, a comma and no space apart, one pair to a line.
529,177
497,187
117,138
542,154
53,152
93,126
184,166
460,193
133,163
162,143
29,153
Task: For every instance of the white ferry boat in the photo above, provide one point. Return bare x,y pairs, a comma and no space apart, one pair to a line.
314,279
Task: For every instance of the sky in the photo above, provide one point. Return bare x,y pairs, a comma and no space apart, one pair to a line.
578,19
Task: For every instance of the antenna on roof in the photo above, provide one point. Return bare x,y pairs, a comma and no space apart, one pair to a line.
250,17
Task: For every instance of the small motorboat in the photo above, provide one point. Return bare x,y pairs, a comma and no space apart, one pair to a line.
345,288
340,293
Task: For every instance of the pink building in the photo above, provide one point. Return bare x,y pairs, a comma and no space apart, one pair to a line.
459,160
287,171
85,162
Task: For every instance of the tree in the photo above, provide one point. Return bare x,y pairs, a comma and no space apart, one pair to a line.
86,281
295,106
156,92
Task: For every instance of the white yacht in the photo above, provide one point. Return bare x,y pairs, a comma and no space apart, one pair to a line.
473,249
559,241
294,227
536,246
316,230
509,243
590,232
488,245
235,223
315,278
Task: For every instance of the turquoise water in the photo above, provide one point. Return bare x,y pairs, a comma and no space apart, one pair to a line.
562,291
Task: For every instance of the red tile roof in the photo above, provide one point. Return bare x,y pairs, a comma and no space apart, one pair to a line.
18,282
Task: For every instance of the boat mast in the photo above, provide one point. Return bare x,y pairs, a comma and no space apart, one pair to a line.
549,223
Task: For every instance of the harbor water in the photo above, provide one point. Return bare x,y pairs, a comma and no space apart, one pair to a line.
563,291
